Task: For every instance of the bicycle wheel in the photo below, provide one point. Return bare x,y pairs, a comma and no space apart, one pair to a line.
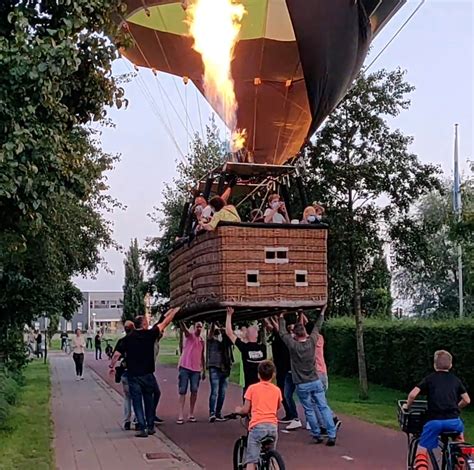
239,453
272,461
412,447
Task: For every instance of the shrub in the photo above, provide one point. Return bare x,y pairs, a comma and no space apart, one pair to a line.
8,388
4,411
399,353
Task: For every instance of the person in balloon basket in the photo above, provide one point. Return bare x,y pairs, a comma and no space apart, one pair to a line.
446,395
276,212
223,212
262,402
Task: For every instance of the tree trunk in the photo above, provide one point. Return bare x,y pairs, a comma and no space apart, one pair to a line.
363,382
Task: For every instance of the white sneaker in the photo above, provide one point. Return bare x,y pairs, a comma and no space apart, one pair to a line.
295,424
82,377
77,378
308,427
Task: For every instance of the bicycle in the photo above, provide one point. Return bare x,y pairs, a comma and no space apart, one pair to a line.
269,459
109,350
450,455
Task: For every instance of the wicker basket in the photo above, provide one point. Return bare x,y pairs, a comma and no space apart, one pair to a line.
252,267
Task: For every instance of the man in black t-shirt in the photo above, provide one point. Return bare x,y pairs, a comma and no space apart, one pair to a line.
446,395
138,347
252,352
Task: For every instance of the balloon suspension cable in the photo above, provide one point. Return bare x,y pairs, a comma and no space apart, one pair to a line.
155,108
160,91
399,30
285,111
199,111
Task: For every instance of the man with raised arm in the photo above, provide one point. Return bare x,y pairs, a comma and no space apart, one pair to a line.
138,347
309,388
252,352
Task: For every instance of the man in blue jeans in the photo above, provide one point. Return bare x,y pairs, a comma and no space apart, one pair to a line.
219,362
138,347
309,388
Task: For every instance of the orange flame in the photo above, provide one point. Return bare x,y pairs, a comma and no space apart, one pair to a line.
215,26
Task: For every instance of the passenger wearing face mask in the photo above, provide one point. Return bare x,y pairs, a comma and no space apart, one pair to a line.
313,214
202,210
276,212
219,362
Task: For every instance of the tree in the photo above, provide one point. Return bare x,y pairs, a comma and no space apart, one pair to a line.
364,173
427,255
205,155
134,287
56,78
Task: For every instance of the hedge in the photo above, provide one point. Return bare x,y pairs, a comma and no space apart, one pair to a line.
399,353
9,388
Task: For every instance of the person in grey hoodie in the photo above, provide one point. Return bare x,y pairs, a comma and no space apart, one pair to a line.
309,388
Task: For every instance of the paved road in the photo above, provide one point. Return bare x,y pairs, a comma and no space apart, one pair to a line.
87,434
360,445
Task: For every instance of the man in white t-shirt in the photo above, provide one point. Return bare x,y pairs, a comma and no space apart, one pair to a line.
276,212
202,209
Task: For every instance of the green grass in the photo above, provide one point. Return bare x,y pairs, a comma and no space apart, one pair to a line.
343,394
26,439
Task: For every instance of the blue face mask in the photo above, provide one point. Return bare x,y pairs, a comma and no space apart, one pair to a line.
311,218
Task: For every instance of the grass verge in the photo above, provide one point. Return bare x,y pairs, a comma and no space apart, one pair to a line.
27,437
343,394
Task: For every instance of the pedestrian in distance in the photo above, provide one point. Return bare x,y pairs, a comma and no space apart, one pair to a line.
39,342
89,336
98,346
78,349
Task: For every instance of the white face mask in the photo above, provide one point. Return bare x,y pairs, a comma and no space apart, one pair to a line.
311,218
275,204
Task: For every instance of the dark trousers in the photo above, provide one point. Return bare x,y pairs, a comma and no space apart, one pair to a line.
98,352
79,361
156,397
280,381
218,381
142,392
290,388
39,353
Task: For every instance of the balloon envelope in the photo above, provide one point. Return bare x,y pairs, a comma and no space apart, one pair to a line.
294,61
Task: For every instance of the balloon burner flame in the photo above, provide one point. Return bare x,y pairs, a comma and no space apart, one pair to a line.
214,26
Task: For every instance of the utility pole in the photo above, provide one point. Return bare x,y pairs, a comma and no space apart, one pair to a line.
457,206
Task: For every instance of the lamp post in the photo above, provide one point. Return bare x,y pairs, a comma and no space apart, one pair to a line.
46,319
93,322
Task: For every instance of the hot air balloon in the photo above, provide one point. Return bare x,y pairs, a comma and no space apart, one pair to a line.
293,63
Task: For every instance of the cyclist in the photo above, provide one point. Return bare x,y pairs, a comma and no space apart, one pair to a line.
446,395
262,402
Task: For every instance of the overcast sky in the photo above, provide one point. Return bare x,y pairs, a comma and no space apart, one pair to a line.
436,49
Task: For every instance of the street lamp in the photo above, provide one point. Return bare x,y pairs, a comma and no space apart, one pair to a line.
93,320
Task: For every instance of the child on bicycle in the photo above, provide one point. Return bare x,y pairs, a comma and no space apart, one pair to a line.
262,402
446,395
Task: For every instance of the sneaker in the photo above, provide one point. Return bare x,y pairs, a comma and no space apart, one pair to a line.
142,433
331,442
127,426
285,420
337,423
82,377
323,431
295,424
159,420
212,418
151,431
317,440
308,427
78,378
220,418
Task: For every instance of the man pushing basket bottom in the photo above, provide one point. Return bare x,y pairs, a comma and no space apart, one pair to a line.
446,396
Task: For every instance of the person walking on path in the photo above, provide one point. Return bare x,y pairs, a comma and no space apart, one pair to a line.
89,336
219,362
138,348
191,368
98,346
127,401
78,349
252,352
39,341
281,359
309,388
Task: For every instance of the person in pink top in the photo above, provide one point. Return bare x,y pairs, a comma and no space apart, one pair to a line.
191,368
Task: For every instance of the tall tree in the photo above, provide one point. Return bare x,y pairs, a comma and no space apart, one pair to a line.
56,61
427,256
363,171
134,287
204,155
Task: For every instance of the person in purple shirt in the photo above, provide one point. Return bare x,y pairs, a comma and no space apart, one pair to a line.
191,369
